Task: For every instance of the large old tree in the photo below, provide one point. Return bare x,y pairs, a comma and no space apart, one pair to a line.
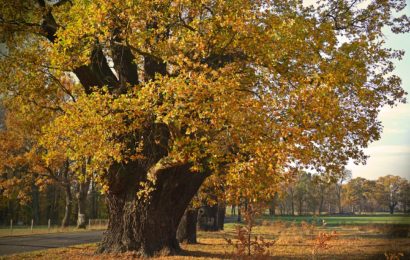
152,97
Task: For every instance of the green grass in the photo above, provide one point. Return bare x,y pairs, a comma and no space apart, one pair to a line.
25,230
346,220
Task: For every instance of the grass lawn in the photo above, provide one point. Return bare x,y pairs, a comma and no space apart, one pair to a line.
348,220
292,241
25,230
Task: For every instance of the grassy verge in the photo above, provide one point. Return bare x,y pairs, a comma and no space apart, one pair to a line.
26,230
346,220
292,241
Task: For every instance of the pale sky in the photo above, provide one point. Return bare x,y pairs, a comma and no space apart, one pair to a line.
391,154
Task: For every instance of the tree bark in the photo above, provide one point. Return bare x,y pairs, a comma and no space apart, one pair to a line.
233,210
212,218
220,218
292,202
35,204
148,224
82,204
186,232
321,203
68,206
391,208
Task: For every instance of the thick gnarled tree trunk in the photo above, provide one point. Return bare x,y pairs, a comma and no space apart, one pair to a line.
148,225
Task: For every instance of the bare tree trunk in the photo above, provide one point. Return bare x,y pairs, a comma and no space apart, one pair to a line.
220,218
321,203
82,203
292,202
94,201
35,204
68,206
391,208
187,227
233,210
208,218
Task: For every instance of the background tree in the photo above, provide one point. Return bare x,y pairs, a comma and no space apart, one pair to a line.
404,196
192,92
345,176
355,194
388,191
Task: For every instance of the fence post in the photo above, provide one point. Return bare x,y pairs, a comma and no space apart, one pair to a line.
89,224
11,226
48,225
32,223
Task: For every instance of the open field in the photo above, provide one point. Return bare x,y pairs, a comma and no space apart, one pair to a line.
347,220
292,241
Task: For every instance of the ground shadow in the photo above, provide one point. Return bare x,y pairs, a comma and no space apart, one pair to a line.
197,253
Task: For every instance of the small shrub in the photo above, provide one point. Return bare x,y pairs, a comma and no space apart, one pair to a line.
308,228
322,242
245,246
393,255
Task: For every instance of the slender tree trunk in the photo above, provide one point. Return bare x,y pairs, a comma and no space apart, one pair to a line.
35,204
391,208
82,204
292,203
94,201
321,203
68,206
148,224
338,189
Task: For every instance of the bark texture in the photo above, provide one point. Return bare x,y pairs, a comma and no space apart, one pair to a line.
82,204
212,218
68,206
149,224
186,232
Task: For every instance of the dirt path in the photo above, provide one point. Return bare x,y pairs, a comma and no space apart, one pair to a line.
18,244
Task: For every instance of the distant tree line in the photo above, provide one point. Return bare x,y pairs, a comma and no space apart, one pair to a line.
55,204
311,194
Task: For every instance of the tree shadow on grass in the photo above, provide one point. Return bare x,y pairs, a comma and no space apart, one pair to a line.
204,254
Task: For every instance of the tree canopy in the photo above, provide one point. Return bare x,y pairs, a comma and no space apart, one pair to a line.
244,90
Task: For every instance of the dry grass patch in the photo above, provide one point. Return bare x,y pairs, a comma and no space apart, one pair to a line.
292,242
